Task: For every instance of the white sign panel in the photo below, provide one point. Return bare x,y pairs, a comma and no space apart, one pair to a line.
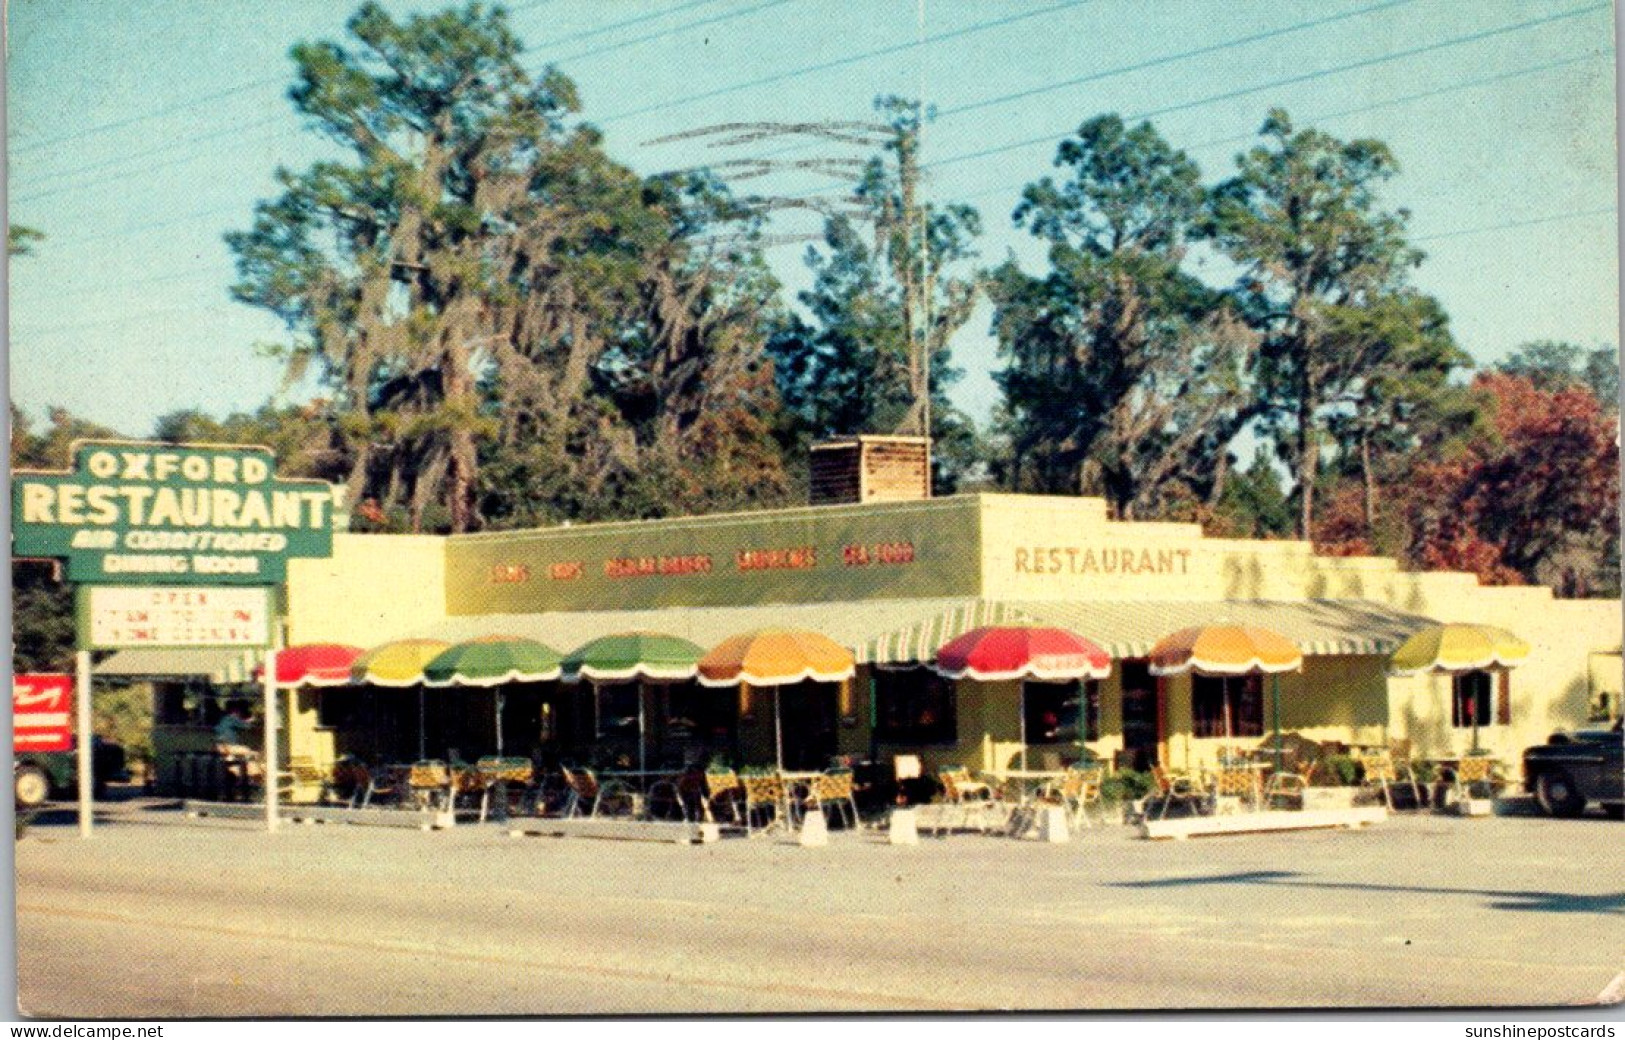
126,617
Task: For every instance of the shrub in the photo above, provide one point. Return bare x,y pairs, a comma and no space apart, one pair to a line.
1125,785
1339,771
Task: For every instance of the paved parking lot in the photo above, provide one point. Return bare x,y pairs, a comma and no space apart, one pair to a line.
159,916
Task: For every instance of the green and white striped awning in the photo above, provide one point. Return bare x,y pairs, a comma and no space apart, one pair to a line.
1128,629
221,666
918,643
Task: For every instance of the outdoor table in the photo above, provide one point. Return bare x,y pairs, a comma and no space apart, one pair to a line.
643,783
1027,781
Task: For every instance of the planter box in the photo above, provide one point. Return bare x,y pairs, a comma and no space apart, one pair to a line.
1329,797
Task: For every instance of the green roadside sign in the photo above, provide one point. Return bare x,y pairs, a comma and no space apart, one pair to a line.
135,513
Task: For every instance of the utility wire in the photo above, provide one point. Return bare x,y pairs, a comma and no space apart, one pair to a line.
123,159
1319,117
836,63
1382,59
182,106
1167,59
1529,222
673,31
1550,218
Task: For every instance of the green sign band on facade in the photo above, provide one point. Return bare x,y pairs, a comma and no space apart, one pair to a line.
140,513
794,555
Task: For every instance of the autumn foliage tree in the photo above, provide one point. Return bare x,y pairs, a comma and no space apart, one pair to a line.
1534,498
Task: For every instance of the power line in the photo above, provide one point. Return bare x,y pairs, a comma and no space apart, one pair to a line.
804,70
1530,222
673,31
149,226
1360,109
780,241
181,106
1289,81
123,159
169,110
1168,59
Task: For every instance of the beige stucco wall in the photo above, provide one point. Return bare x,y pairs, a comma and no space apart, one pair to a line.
1066,549
373,588
381,587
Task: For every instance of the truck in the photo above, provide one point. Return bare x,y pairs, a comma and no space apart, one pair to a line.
41,775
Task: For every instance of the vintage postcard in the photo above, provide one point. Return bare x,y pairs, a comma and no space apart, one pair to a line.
770,506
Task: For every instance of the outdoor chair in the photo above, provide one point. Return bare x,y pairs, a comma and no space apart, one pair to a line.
1076,792
965,797
1476,777
504,775
833,790
765,795
301,775
1181,788
380,782
1288,785
1237,781
1383,774
588,797
723,791
428,783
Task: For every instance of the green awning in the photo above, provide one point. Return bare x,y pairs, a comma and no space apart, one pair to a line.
220,665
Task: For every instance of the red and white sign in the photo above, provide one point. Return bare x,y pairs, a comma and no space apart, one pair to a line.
41,706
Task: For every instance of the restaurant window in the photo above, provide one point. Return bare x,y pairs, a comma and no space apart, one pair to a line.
914,706
1472,700
339,708
695,715
1055,710
1227,706
618,712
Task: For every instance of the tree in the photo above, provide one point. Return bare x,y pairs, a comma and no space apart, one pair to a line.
1553,365
889,292
303,437
385,265
1323,282
480,285
20,240
41,603
1531,496
1125,373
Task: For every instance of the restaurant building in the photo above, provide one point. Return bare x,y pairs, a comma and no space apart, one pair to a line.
892,580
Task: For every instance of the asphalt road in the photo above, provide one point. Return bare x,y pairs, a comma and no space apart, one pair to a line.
161,917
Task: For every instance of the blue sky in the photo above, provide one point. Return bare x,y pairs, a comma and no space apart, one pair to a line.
139,132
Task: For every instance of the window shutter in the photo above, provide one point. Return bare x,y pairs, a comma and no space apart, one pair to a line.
1503,698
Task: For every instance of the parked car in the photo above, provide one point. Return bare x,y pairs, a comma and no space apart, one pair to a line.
1571,770
38,775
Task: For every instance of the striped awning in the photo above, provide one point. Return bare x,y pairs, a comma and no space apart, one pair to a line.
917,643
1319,627
1130,628
220,665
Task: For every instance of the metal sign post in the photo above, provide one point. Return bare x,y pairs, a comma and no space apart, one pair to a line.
173,545
270,722
87,782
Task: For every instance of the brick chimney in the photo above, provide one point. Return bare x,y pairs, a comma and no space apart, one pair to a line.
869,468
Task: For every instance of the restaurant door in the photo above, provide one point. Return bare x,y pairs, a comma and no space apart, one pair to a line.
1140,722
810,717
